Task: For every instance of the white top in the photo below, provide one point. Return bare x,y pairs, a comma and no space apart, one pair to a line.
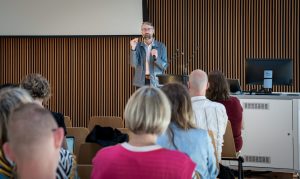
140,149
148,54
212,116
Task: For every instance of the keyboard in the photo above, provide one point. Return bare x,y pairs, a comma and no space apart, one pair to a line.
268,94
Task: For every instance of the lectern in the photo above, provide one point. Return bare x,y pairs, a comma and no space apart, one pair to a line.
170,78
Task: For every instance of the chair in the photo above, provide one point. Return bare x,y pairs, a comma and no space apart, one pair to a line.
80,134
87,152
125,131
106,121
211,135
84,171
228,150
196,175
68,121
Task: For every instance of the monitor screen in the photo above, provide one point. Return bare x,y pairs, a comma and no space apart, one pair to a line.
70,143
282,71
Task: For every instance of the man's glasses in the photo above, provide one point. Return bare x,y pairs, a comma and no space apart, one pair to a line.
146,29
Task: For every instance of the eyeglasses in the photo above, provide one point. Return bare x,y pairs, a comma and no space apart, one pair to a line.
146,29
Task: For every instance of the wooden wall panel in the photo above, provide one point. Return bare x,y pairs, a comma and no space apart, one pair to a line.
92,75
89,76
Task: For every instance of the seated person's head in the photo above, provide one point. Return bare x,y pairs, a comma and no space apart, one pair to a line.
9,99
147,111
33,137
198,83
182,112
37,86
218,87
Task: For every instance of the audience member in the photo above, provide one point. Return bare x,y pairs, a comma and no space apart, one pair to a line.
147,115
183,135
9,99
34,142
218,91
209,115
40,90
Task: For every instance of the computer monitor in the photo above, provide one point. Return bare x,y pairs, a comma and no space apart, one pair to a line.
257,71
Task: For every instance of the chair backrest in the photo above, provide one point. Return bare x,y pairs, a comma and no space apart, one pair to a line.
84,171
125,131
211,135
196,175
106,121
67,121
87,152
80,134
228,149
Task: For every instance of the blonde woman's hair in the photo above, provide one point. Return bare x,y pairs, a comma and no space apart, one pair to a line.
10,98
148,111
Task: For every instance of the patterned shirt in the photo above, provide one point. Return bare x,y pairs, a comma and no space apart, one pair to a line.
211,116
65,169
5,167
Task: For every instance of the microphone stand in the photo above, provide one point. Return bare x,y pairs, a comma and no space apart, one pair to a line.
186,65
175,55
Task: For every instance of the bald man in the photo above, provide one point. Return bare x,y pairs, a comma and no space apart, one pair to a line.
209,115
34,142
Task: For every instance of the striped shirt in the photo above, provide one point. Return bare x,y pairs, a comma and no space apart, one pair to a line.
65,169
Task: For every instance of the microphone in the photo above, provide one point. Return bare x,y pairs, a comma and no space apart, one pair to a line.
154,56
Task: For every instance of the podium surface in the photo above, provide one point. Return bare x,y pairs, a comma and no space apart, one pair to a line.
171,78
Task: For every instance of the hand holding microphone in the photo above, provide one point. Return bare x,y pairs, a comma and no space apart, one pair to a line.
154,53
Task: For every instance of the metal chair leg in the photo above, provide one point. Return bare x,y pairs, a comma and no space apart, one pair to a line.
240,168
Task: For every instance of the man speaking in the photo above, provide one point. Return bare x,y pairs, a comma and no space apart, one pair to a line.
148,57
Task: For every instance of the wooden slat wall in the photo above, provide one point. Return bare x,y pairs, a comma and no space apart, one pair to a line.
92,75
89,76
220,35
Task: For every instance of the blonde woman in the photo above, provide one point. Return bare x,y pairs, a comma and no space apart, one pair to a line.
147,115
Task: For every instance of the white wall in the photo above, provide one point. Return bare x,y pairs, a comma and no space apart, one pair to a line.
70,17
